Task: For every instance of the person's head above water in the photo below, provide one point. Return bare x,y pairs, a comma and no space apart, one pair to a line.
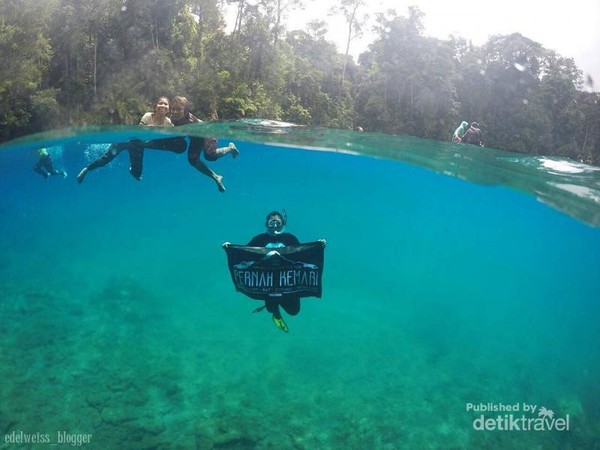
275,222
162,100
161,106
179,107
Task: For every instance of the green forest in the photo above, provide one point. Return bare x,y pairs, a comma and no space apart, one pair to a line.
97,62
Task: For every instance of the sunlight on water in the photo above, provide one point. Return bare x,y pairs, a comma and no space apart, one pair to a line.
567,166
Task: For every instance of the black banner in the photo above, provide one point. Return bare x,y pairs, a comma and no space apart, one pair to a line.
260,272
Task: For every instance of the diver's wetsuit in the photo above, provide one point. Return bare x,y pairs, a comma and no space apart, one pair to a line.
197,143
45,167
195,148
136,156
290,303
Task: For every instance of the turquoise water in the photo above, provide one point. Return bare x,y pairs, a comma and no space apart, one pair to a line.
456,278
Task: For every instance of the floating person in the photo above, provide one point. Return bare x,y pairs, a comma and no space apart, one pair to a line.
45,166
460,132
158,118
181,115
473,135
276,268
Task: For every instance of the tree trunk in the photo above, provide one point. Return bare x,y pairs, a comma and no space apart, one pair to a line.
347,52
95,68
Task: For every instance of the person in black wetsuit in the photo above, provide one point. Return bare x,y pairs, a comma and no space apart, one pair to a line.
275,238
473,135
135,147
45,167
181,115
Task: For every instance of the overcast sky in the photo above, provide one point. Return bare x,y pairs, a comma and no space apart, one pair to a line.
571,28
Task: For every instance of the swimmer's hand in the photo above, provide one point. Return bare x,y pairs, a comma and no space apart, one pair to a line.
225,244
323,242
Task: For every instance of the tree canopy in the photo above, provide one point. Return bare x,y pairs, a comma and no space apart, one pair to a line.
75,62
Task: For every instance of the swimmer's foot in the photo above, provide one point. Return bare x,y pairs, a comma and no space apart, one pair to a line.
219,181
280,323
233,150
81,175
135,175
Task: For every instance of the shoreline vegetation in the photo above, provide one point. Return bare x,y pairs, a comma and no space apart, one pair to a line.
103,62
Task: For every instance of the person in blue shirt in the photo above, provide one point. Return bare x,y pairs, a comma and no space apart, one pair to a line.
460,132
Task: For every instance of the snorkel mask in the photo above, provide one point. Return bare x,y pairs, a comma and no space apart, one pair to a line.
275,222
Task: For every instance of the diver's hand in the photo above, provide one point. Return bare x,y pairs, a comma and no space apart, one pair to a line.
225,244
323,242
